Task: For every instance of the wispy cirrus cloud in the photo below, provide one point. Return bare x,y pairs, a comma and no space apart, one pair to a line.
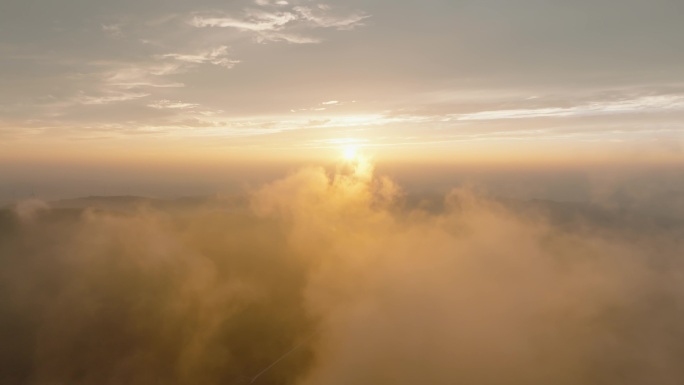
322,106
113,30
110,98
118,81
166,104
657,103
292,25
321,16
271,2
128,81
124,82
255,21
217,56
143,75
152,61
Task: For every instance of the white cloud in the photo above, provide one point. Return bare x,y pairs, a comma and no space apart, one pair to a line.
255,21
110,98
286,37
174,105
217,56
143,75
113,30
133,76
266,3
323,106
321,18
642,104
124,82
286,25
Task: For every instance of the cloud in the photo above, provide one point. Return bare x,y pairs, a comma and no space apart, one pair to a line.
320,17
286,37
126,82
217,56
658,103
331,276
28,209
113,30
132,77
277,25
129,76
476,293
173,105
270,21
265,3
256,21
111,98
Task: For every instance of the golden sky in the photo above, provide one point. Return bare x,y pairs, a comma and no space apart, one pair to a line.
177,83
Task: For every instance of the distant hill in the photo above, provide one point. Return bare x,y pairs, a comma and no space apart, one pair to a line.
128,202
106,202
664,213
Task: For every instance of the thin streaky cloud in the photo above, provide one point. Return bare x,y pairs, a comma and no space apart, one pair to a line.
431,70
320,17
112,98
265,3
642,104
143,75
173,105
217,56
262,21
264,37
113,30
285,25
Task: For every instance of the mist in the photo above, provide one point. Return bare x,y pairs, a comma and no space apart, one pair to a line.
344,276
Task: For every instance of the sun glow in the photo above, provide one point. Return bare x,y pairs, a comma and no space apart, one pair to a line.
349,153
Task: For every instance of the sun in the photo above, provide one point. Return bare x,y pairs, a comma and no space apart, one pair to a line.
349,153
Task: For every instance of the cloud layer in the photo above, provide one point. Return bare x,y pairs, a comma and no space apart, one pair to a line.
337,277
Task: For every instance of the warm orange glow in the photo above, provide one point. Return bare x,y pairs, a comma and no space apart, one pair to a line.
350,153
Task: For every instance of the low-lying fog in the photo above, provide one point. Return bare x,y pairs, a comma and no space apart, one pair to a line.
345,277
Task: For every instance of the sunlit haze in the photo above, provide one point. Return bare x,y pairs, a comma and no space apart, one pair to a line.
208,82
329,192
349,153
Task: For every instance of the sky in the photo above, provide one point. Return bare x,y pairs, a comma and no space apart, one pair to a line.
341,192
173,82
